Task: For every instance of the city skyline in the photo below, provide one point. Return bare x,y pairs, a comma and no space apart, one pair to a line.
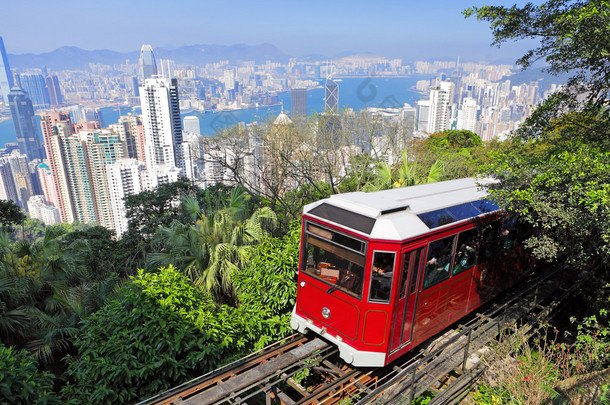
394,29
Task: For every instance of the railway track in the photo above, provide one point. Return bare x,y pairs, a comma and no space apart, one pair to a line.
448,364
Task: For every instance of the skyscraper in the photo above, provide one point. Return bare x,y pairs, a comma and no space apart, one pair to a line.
56,126
6,77
298,100
86,155
128,128
78,166
331,97
36,88
125,178
229,79
468,115
148,65
423,115
21,176
46,183
54,91
441,99
25,124
162,124
7,184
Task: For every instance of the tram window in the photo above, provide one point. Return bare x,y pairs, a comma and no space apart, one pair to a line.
466,254
438,262
508,237
416,267
338,238
382,275
333,264
406,259
488,248
416,257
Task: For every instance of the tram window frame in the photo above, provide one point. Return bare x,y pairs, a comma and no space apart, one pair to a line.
433,256
469,241
348,279
381,280
407,257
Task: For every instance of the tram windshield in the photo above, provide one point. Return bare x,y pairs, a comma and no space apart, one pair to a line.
334,258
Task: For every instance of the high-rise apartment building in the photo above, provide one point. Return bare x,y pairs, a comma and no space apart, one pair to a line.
36,88
22,178
6,77
162,123
47,184
423,115
193,155
148,64
441,99
78,163
229,79
7,184
24,121
130,130
87,154
125,177
55,127
468,115
298,99
331,97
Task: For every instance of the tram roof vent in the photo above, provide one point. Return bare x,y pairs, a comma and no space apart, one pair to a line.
396,209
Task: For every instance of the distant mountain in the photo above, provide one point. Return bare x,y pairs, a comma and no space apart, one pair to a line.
71,57
202,54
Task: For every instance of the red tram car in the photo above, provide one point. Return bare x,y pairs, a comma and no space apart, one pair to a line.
382,272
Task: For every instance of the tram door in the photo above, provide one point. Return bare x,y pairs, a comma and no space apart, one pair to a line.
406,303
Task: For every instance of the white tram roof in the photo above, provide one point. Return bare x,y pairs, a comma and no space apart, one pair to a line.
403,213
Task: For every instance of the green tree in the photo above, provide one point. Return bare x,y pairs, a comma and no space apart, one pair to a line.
210,250
573,35
153,209
46,289
160,331
266,286
10,214
20,380
31,229
462,153
101,252
407,173
269,281
554,174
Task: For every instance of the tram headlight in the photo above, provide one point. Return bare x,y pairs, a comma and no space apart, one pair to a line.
302,284
326,313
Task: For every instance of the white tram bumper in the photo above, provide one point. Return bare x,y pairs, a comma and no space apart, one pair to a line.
350,355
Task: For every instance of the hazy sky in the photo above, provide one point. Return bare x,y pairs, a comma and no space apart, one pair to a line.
410,29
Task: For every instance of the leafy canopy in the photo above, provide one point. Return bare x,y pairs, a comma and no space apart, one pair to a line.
573,35
20,380
555,171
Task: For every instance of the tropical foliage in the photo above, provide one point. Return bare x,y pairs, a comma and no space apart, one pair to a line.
216,245
20,380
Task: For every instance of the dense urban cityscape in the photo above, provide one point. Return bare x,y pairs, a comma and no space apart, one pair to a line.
85,167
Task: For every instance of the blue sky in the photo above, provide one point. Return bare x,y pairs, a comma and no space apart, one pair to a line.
394,28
